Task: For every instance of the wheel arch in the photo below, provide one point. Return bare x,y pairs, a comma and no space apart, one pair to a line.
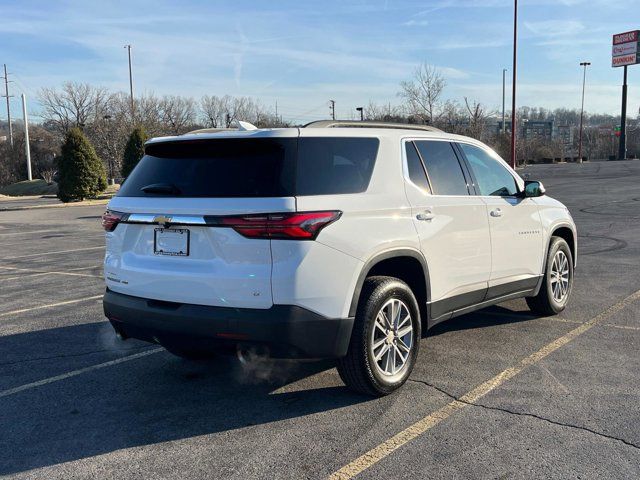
406,264
567,233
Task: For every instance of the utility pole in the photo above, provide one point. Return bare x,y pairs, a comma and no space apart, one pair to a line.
622,148
515,78
27,150
504,84
333,109
584,79
7,96
133,111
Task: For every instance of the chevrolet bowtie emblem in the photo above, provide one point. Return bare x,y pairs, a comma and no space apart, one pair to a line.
162,220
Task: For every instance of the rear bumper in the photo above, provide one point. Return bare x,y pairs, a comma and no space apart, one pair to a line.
288,331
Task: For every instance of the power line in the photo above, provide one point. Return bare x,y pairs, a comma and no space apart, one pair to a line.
7,96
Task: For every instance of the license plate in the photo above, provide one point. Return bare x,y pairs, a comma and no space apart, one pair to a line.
171,241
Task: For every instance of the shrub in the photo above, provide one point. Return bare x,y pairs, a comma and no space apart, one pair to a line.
134,150
81,173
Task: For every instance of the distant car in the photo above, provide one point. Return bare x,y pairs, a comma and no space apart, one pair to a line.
337,240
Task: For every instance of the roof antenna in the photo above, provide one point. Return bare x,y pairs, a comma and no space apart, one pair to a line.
246,126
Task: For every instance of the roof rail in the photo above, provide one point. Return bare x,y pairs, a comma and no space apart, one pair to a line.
369,124
211,130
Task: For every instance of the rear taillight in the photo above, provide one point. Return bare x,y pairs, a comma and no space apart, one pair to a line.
292,226
110,220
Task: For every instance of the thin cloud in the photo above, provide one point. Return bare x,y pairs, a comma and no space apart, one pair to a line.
416,23
555,28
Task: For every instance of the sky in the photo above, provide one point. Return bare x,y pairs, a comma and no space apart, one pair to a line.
300,54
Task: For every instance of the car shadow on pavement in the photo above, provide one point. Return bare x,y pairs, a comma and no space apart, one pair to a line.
152,399
487,317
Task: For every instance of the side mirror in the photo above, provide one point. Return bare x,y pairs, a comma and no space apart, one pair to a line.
533,188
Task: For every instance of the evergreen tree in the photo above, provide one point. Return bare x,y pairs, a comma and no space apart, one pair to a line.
81,173
134,150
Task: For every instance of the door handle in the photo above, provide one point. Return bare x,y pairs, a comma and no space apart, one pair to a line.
427,216
496,212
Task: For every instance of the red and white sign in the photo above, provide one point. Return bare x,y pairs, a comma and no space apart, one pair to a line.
624,60
624,49
626,37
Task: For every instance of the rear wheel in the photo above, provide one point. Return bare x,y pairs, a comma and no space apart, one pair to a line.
558,280
385,339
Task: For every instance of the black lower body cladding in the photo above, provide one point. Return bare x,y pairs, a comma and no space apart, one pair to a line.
288,331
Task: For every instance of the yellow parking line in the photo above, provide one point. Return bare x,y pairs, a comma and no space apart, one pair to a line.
622,327
611,325
50,305
387,447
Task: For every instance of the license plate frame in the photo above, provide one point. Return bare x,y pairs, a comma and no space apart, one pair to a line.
182,250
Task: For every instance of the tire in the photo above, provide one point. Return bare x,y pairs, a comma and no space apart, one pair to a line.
550,300
359,369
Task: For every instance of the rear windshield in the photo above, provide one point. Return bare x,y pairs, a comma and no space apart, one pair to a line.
265,167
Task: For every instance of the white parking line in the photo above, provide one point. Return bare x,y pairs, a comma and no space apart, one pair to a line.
36,273
50,305
74,373
42,254
26,233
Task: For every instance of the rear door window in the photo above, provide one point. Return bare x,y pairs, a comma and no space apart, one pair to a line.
334,165
417,173
444,169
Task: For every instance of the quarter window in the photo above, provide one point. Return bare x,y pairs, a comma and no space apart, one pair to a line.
415,167
492,178
443,168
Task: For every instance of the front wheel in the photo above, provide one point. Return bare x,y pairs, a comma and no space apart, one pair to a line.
385,339
557,282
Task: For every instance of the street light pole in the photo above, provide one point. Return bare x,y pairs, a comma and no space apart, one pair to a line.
361,110
128,47
515,77
27,150
504,83
622,147
584,79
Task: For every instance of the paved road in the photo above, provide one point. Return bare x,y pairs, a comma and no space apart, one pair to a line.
496,394
13,203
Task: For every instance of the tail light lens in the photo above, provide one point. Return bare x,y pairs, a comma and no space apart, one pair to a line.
111,219
292,226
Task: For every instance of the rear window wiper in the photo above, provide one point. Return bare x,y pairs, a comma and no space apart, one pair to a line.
162,188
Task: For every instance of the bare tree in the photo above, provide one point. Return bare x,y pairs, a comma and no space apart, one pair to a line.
385,113
422,94
178,113
75,105
477,118
108,133
451,117
214,110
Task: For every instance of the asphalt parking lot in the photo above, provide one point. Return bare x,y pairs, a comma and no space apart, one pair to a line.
495,394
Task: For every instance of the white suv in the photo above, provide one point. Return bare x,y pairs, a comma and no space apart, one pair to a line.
337,240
